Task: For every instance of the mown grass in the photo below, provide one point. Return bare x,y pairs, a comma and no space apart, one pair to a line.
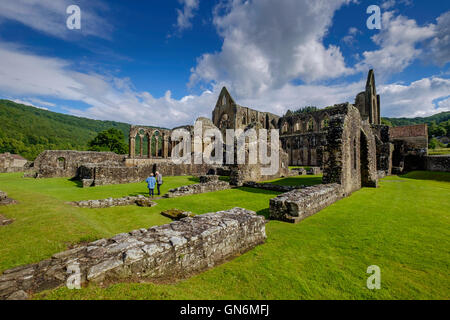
439,152
403,227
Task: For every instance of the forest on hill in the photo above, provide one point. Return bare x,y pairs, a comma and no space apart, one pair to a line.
28,131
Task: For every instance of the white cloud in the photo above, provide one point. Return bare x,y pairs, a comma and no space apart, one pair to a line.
399,42
28,103
185,16
349,39
439,46
416,99
49,16
269,43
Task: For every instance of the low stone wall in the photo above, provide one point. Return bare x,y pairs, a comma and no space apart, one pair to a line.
314,171
5,221
197,189
271,187
110,202
173,251
294,206
438,163
297,172
4,200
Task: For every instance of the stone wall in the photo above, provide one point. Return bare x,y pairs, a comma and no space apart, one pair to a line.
414,138
98,175
52,164
438,163
271,187
207,184
343,165
12,163
4,200
117,202
296,205
173,251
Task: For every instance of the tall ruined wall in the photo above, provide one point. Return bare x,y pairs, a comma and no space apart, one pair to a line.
414,138
343,165
52,164
385,149
229,115
304,136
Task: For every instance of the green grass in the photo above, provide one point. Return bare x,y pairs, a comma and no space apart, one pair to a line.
403,227
438,152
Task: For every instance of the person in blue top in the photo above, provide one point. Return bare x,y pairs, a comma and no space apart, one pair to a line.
151,182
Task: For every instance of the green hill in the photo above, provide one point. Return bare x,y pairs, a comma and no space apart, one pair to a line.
28,131
437,118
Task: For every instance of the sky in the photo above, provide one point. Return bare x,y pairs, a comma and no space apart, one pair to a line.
164,62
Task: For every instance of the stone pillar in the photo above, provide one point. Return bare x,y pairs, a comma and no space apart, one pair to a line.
149,142
166,146
132,147
141,146
157,145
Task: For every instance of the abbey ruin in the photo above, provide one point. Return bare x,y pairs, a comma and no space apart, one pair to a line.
346,142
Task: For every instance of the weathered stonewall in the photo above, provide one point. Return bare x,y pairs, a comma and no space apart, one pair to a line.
170,252
4,200
5,221
271,187
197,188
110,202
297,205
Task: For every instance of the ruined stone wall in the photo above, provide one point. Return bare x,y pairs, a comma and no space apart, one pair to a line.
12,163
297,205
205,186
173,251
414,138
139,200
343,165
229,115
368,157
4,200
52,164
98,175
438,163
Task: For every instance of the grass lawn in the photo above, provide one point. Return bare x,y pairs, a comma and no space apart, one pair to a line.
439,152
403,227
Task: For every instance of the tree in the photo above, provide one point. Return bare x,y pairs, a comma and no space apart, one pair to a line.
109,140
307,109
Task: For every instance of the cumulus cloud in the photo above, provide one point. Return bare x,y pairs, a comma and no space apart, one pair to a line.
185,16
399,42
23,74
269,43
49,16
439,46
416,99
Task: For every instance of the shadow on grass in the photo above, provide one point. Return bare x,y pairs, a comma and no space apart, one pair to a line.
76,182
427,175
264,213
194,179
256,190
298,181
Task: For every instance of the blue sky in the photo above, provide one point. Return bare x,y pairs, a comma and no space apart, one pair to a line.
164,62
